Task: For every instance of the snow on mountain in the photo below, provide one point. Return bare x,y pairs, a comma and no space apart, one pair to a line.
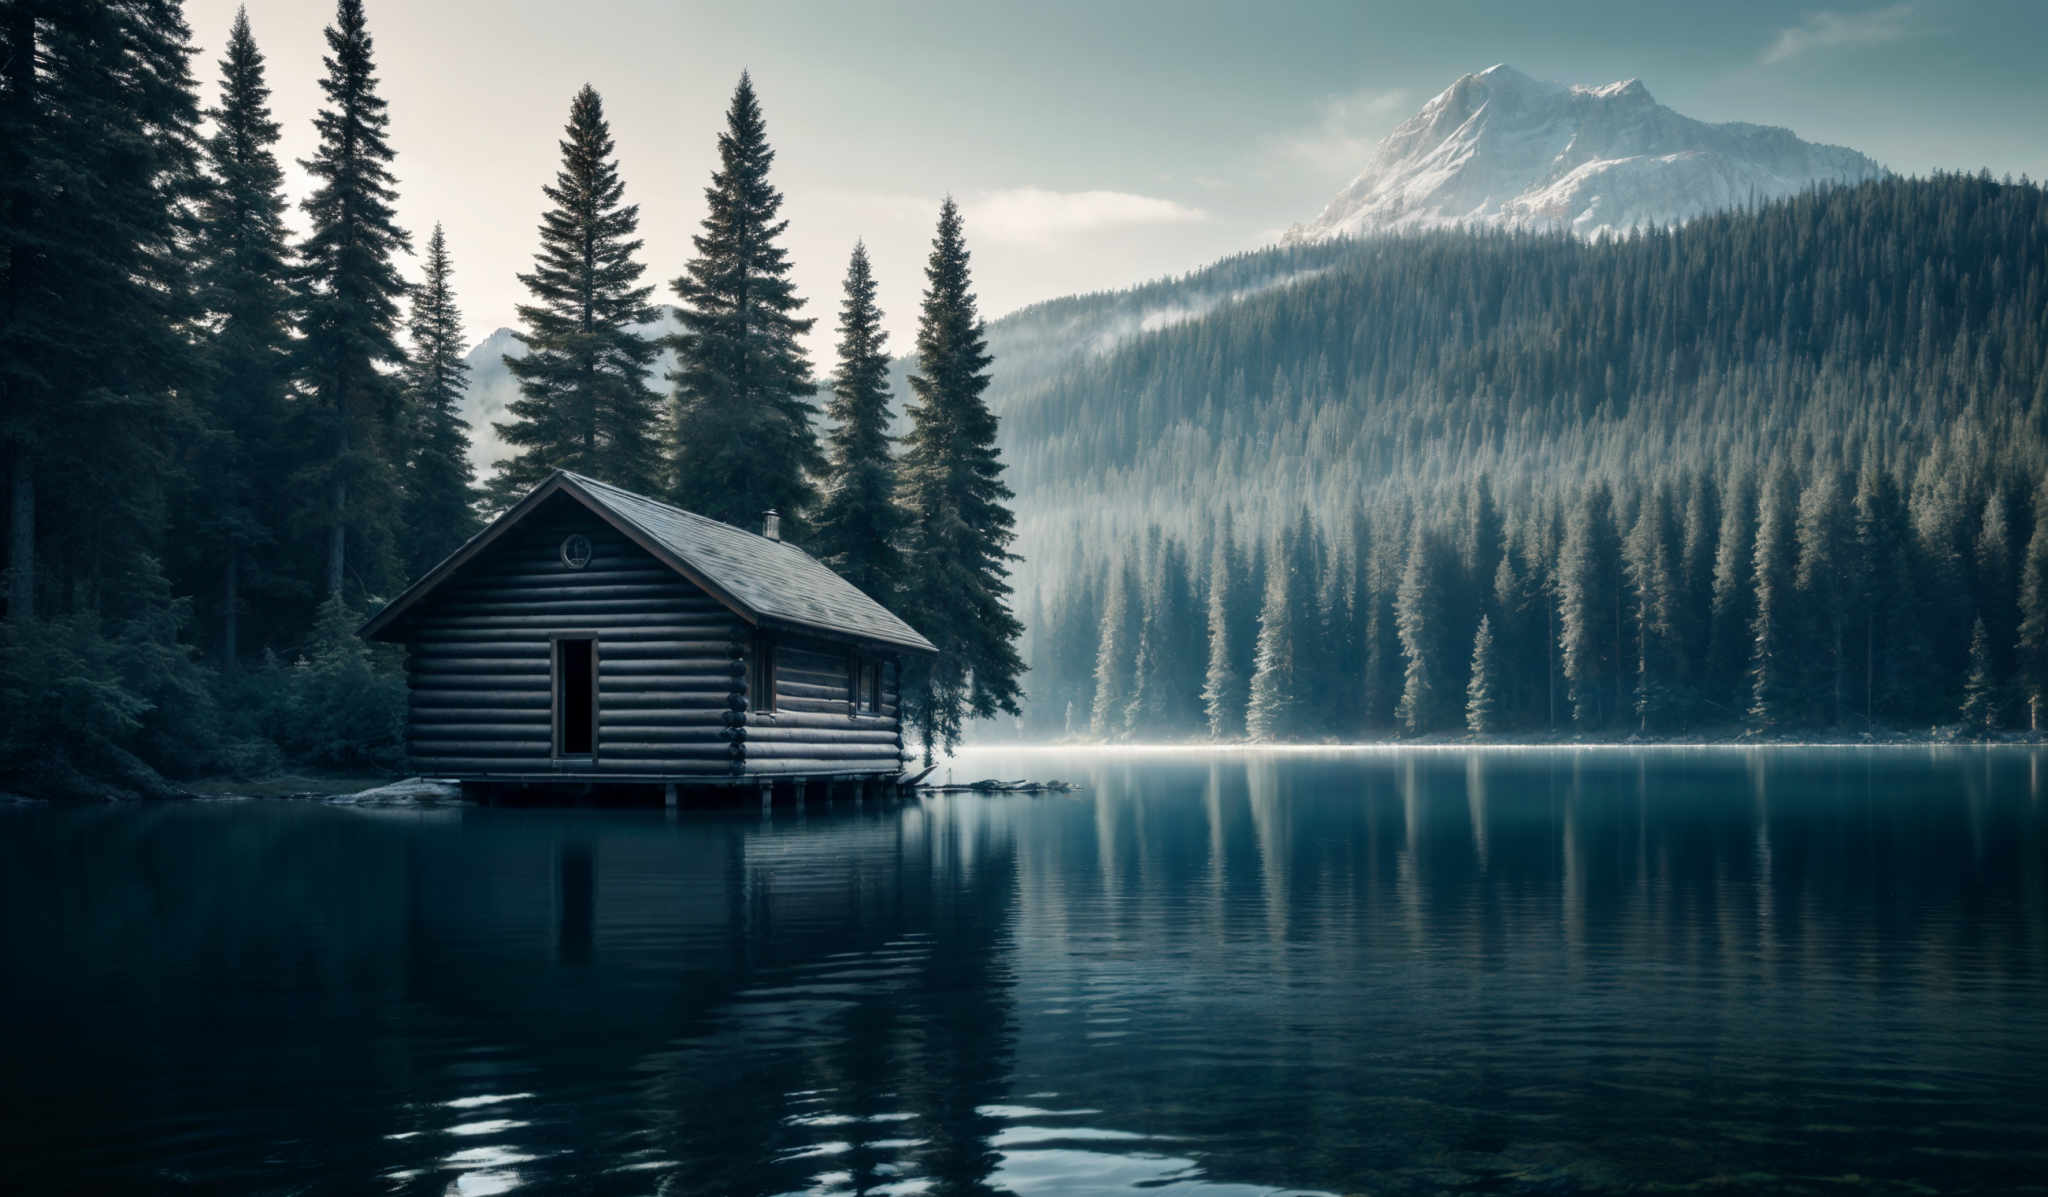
1501,149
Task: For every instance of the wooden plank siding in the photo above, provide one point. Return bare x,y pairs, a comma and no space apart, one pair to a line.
814,727
671,670
481,660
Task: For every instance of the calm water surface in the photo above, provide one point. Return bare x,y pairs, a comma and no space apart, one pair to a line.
1209,974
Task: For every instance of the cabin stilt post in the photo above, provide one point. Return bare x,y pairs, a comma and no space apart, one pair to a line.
668,795
767,795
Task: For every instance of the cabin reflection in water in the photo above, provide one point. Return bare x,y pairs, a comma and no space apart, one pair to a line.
595,639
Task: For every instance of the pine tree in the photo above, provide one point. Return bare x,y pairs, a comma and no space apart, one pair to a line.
744,443
1653,607
2033,613
584,403
1980,686
1589,605
1222,698
858,524
1270,714
440,485
1115,654
348,308
959,524
1734,597
1418,608
1825,580
1883,571
99,164
1774,661
1996,588
1482,692
237,496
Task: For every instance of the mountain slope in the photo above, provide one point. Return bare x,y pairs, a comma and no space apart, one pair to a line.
1899,322
1499,149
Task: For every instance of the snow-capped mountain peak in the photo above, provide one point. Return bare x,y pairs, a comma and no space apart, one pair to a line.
1501,149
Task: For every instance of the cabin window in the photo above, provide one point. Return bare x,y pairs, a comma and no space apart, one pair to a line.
864,684
575,696
861,673
761,676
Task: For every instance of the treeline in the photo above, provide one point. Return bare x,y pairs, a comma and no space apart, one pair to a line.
1821,596
1778,469
225,444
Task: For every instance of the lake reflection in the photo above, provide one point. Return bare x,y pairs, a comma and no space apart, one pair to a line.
1210,973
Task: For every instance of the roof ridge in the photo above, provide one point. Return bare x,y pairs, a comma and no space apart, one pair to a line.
671,507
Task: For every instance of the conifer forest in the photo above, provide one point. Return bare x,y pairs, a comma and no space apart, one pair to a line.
1780,471
224,445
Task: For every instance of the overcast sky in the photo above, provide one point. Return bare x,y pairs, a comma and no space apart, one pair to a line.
1092,143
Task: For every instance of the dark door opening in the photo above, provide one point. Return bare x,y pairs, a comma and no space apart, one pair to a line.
575,697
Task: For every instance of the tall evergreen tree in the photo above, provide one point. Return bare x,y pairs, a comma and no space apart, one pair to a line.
744,443
858,524
1774,630
1116,653
1883,574
1222,697
1589,607
1654,611
98,168
237,495
1996,590
1482,691
440,485
1825,581
959,522
348,308
2033,614
584,401
1418,612
1980,687
1734,597
1271,712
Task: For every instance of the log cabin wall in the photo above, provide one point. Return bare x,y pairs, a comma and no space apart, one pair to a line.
669,686
816,727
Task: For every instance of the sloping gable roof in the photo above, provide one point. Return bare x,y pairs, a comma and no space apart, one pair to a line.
762,580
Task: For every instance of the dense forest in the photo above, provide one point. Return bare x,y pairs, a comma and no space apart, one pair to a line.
228,437
1779,469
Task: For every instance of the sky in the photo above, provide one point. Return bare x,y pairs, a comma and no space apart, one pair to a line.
1092,144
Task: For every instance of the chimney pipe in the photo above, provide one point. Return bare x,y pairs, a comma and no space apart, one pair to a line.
771,524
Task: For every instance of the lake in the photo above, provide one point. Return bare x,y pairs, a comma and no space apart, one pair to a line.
1209,973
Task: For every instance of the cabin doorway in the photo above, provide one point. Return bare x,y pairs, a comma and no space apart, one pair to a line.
575,696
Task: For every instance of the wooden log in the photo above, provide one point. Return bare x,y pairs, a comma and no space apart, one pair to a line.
832,719
431,698
818,735
435,728
875,766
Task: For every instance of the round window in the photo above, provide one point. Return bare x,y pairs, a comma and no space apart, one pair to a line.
576,551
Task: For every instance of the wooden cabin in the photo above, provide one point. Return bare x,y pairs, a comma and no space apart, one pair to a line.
593,636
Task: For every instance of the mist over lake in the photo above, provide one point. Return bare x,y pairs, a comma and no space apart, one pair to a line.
1208,972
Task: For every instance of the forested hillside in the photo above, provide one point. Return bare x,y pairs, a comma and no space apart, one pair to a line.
1769,469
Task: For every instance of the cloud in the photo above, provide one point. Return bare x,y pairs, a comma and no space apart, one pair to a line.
1347,129
1037,215
1830,30
1019,215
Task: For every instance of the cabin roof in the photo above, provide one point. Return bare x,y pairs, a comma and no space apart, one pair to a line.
761,580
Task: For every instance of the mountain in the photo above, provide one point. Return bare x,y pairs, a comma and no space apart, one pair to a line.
1378,396
1500,149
